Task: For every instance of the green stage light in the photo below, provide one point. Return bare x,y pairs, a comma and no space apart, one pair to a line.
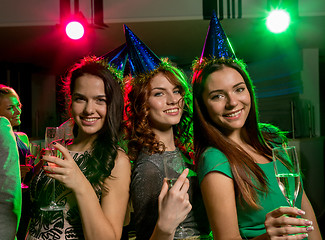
278,21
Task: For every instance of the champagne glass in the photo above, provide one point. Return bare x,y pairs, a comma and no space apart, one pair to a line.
287,172
53,134
29,162
174,166
68,139
34,149
24,169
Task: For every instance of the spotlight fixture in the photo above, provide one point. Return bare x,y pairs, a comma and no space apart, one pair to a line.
278,21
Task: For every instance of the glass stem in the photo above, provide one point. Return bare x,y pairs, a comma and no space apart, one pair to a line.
53,193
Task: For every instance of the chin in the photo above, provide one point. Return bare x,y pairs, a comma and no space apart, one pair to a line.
91,131
234,128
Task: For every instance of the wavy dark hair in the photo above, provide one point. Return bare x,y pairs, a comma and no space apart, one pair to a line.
207,133
138,130
104,148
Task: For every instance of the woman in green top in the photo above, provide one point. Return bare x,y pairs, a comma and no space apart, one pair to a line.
234,151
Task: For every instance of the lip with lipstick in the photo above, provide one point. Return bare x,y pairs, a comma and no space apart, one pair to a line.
172,111
233,115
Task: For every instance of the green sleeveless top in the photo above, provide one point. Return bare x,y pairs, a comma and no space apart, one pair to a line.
250,221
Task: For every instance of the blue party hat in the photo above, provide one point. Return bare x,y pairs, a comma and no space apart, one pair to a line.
216,43
142,60
117,57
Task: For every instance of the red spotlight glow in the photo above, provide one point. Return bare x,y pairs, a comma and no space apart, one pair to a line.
75,30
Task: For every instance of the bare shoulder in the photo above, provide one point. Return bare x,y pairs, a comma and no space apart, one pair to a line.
121,173
122,158
122,164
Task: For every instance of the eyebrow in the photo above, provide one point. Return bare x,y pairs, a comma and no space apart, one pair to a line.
219,90
162,88
81,95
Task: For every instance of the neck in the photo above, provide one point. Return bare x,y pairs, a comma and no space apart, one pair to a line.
167,137
82,143
237,136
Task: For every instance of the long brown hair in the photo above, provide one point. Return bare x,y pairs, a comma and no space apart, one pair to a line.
104,149
207,133
138,130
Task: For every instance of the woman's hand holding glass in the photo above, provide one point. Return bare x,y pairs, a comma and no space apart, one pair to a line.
64,170
283,221
53,136
173,204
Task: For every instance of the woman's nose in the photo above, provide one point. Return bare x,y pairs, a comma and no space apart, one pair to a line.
232,101
172,99
89,108
17,110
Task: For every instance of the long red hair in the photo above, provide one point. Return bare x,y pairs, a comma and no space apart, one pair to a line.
138,129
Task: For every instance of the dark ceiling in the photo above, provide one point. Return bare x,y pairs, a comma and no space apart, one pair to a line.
47,49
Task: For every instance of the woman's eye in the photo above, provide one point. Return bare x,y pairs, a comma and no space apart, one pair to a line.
177,91
101,100
240,89
216,97
158,94
78,99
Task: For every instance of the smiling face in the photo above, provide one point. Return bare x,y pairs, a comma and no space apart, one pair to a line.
227,99
10,107
89,107
165,103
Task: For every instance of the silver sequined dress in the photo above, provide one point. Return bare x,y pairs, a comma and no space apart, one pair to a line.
147,180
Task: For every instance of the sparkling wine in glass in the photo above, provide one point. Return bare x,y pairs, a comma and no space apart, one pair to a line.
174,166
287,172
53,134
35,150
30,157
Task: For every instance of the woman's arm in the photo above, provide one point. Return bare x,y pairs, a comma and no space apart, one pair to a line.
306,206
103,221
219,199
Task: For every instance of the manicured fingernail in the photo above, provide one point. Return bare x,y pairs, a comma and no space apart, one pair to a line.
301,212
305,235
310,228
308,223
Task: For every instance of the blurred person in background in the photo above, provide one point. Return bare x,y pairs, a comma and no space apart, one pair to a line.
10,107
10,191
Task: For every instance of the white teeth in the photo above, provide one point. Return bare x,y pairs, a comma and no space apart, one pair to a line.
233,114
90,119
171,110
